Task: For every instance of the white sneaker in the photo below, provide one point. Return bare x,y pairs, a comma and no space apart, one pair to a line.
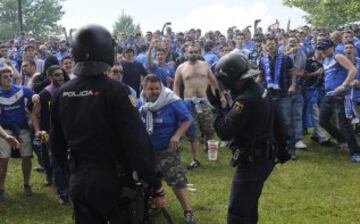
300,145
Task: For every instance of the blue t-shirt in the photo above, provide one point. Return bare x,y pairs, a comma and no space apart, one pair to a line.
357,45
163,71
61,54
339,48
166,123
210,58
355,92
250,45
142,59
335,74
12,105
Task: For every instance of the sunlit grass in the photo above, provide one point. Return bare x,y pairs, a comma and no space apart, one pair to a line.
321,187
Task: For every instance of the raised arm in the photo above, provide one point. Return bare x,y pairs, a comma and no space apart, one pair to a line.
149,60
177,81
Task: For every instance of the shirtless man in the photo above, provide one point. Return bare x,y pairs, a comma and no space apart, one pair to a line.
196,76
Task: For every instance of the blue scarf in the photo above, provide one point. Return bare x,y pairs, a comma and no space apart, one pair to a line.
355,92
350,110
267,70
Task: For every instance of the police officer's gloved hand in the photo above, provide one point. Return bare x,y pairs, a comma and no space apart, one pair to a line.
159,198
214,99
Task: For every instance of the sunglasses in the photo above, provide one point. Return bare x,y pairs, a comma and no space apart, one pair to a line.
7,76
58,74
117,71
193,52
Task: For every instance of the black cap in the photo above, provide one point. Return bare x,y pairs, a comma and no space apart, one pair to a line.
325,44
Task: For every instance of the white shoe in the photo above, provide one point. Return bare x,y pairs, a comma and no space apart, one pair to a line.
300,145
224,144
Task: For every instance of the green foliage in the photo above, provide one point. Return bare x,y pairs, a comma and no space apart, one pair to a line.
39,16
328,13
125,24
321,187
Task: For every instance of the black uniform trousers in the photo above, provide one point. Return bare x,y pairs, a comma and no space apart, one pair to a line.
247,185
95,194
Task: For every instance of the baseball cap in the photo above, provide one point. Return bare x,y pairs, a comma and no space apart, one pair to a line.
325,44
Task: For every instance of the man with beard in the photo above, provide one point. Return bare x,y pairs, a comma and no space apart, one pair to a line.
196,77
56,76
167,120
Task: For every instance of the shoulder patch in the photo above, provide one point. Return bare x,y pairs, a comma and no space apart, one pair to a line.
238,107
132,100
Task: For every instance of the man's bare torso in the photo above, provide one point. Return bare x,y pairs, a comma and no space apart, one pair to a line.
195,78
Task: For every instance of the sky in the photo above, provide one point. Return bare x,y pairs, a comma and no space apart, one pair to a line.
184,15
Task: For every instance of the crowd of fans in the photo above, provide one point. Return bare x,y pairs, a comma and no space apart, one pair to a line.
292,64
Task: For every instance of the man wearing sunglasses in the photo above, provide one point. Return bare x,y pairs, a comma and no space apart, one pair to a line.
117,73
13,109
56,76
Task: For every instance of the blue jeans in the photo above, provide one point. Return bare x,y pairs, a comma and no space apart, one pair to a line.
318,130
284,105
297,105
335,105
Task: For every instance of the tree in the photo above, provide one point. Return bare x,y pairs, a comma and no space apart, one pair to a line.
125,24
329,14
39,16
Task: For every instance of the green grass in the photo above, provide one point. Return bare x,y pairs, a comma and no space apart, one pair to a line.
321,187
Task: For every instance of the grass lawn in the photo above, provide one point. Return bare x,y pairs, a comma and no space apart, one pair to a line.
321,187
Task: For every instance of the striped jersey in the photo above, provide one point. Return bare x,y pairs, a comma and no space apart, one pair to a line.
12,105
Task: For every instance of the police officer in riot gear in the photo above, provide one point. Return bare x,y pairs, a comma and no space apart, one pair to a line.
96,120
256,134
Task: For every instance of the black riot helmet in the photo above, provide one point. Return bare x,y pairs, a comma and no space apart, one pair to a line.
233,67
93,50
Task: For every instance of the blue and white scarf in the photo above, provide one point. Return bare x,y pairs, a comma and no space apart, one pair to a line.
166,97
350,108
270,82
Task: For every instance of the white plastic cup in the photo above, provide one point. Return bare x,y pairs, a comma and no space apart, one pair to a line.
213,148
